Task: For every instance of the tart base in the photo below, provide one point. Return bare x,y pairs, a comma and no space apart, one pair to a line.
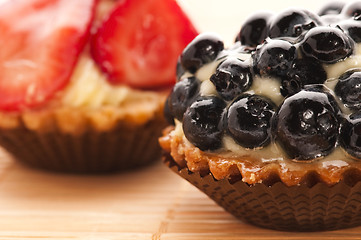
126,145
280,207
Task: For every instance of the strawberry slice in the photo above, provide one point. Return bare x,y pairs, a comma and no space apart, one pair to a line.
40,41
140,41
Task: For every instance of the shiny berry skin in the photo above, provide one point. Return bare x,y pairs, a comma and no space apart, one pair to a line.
183,94
332,7
352,28
307,125
348,88
231,78
239,48
274,57
327,44
292,23
331,19
352,9
203,123
249,120
350,135
255,29
203,49
303,72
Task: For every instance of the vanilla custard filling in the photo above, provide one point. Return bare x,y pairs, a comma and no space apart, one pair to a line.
88,87
270,87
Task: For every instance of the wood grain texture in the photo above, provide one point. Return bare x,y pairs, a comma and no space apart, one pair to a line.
151,203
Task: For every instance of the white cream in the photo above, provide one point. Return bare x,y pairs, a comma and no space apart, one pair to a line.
208,88
206,71
268,87
88,87
337,69
268,154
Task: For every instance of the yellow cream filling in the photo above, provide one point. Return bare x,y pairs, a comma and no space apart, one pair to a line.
89,87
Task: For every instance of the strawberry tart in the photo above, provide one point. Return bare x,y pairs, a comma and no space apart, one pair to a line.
82,83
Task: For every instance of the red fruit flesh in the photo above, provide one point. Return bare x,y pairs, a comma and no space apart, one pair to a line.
139,43
40,41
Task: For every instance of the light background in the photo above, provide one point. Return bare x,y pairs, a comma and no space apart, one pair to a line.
225,17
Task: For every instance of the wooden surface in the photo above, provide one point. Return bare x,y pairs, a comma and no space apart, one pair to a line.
152,203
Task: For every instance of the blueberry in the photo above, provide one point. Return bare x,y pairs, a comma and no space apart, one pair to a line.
183,94
352,9
348,88
203,123
255,29
203,49
237,47
350,136
332,7
307,125
303,72
249,120
231,78
327,44
352,28
331,19
292,23
274,57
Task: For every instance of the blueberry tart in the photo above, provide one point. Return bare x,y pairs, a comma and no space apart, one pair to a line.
270,127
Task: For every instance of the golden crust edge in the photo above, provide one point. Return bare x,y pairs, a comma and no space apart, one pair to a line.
77,120
251,171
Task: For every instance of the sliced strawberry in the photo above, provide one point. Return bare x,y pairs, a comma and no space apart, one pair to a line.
140,41
40,41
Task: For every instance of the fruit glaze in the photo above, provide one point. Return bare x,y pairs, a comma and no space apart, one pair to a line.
284,100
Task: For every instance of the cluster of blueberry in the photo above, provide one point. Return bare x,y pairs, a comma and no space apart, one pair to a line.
293,47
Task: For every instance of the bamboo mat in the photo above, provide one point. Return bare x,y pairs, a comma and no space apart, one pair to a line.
152,203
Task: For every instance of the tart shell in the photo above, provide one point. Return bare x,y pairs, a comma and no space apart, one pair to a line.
254,169
86,141
288,208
